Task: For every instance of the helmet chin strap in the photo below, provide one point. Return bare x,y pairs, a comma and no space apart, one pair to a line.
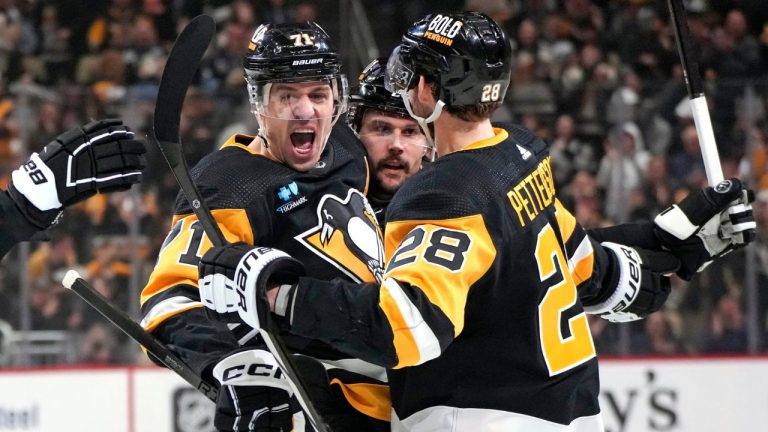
424,122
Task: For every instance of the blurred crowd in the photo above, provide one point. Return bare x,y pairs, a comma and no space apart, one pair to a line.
599,80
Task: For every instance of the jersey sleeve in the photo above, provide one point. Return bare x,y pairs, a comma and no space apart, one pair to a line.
170,302
172,287
14,227
590,264
418,309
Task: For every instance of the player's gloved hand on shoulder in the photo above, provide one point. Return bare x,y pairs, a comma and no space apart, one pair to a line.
254,393
102,156
234,280
707,224
636,285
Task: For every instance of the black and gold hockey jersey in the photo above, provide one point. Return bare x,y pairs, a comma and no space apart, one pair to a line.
320,217
479,316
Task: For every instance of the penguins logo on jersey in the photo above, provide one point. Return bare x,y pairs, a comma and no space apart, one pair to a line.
347,236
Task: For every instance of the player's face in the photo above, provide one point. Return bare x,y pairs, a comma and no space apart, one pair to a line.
297,120
395,147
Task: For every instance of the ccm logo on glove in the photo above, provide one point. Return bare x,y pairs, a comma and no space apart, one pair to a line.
254,367
250,369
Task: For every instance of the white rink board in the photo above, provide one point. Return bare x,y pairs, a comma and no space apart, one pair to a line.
165,402
64,400
705,395
679,395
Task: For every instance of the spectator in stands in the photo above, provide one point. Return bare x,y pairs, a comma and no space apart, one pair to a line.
569,153
686,166
99,345
622,169
735,57
659,188
658,338
729,331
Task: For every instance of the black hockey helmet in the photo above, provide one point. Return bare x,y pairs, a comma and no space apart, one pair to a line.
467,54
292,52
370,93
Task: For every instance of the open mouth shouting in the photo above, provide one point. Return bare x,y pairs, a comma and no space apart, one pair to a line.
304,144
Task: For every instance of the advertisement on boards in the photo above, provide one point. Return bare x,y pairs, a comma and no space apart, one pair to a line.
639,395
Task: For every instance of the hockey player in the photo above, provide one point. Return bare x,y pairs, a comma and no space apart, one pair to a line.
480,318
298,186
395,145
102,156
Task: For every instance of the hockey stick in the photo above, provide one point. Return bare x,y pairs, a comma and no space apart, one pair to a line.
179,71
695,87
740,210
121,320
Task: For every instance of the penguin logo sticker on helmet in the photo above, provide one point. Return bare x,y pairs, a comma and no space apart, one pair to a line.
256,36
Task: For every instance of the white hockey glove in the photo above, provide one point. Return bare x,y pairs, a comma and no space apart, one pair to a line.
102,156
637,283
706,225
234,279
254,393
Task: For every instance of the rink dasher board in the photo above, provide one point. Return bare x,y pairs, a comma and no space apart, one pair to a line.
637,395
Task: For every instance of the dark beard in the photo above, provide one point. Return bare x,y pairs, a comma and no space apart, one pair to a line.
396,159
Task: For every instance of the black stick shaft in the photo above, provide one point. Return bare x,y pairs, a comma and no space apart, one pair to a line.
173,153
698,101
131,328
685,48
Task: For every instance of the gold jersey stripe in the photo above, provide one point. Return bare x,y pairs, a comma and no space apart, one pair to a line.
565,220
370,399
404,340
584,258
241,141
156,321
499,136
445,288
169,271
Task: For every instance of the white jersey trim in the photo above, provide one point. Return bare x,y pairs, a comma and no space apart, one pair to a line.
361,367
166,306
582,252
451,419
426,341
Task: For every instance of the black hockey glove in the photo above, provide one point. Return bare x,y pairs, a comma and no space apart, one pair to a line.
254,393
636,284
706,225
102,156
234,279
